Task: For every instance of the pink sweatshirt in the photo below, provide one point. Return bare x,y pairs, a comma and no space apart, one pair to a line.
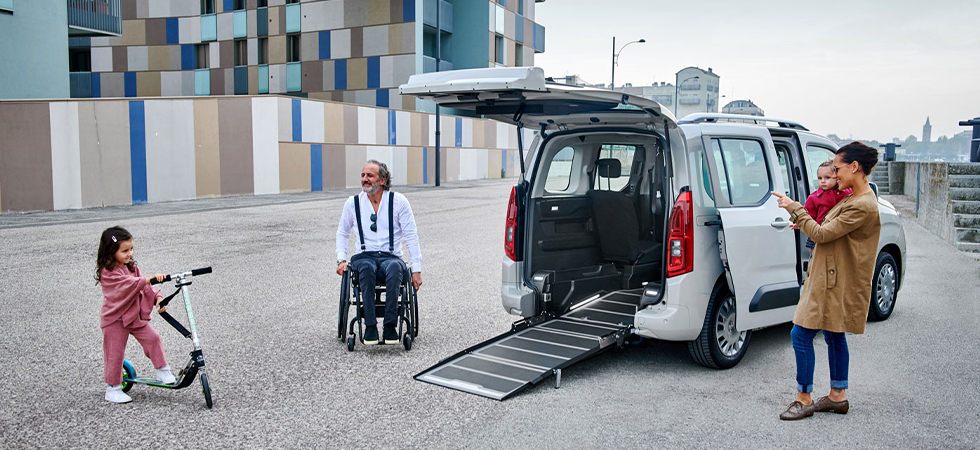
127,297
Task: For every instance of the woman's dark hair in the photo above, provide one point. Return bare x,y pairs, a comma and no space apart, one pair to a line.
383,172
867,157
108,246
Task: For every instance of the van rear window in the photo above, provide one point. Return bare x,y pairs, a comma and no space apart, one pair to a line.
559,171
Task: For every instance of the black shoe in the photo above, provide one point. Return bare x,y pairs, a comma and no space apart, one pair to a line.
390,335
371,336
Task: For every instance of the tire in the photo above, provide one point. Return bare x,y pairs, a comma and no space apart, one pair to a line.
350,344
407,340
344,312
128,372
206,388
884,287
415,313
720,346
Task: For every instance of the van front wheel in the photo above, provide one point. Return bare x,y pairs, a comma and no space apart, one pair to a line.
720,345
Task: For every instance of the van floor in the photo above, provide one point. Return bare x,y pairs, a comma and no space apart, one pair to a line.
538,347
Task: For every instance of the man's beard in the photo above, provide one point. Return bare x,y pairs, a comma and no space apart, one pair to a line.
371,188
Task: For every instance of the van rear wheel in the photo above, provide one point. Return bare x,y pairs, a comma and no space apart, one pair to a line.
885,285
720,345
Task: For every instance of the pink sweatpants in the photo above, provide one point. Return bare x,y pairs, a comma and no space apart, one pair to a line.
114,338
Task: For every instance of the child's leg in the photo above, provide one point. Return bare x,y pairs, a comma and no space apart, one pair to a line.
152,345
114,339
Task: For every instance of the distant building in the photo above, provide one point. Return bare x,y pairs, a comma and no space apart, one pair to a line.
745,107
927,131
697,91
662,93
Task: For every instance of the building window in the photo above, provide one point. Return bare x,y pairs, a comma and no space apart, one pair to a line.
520,7
207,7
288,2
201,56
498,49
263,50
263,4
79,59
518,55
241,52
239,5
292,48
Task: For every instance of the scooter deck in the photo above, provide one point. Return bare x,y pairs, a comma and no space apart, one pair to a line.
150,381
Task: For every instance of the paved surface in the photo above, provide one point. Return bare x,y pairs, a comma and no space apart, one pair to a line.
279,378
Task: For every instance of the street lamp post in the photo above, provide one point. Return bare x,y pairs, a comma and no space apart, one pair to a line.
615,59
677,98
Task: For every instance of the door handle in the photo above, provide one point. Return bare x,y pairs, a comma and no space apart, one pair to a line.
779,223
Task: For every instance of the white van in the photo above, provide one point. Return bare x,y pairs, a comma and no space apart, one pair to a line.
627,222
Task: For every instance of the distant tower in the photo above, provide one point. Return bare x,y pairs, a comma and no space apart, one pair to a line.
927,131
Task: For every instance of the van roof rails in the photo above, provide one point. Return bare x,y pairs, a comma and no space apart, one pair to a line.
759,120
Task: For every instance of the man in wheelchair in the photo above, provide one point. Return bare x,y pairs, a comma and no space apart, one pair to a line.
382,218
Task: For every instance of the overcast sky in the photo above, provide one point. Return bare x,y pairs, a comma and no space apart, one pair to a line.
867,69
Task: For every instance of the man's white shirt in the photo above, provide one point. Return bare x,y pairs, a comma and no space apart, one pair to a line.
377,241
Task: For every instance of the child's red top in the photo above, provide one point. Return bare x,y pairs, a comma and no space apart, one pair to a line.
127,297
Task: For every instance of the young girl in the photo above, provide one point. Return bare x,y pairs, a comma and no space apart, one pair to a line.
822,200
129,300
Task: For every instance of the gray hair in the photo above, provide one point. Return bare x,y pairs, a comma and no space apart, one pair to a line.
383,172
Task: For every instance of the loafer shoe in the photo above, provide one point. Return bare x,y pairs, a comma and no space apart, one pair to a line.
371,336
825,404
797,411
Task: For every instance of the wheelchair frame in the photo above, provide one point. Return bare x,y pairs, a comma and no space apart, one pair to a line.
350,295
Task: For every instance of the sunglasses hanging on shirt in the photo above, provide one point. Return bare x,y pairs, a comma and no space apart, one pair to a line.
374,222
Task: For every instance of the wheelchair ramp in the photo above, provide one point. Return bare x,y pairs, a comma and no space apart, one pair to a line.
537,348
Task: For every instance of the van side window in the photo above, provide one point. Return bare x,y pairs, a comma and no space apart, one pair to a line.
816,155
559,171
624,153
744,175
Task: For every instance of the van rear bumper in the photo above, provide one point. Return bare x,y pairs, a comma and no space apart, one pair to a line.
514,296
667,322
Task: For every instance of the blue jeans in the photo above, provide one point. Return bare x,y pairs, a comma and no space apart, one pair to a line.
805,360
369,265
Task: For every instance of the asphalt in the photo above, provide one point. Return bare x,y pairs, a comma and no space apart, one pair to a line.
267,320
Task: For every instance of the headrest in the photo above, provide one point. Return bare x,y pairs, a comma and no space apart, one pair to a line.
609,168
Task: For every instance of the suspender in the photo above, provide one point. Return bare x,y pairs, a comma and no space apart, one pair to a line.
391,222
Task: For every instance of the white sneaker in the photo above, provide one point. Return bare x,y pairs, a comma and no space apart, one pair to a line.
164,376
115,394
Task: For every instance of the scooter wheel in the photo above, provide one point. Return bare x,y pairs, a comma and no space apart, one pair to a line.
350,344
129,373
407,341
206,388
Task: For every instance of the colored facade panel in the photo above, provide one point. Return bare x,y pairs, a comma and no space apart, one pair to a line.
207,157
316,167
96,85
340,74
265,153
209,28
104,149
65,156
294,77
392,127
313,120
137,150
170,150
187,57
202,82
333,123
241,24
235,146
262,22
263,75
293,18
334,166
241,80
458,132
324,44
382,98
130,80
294,167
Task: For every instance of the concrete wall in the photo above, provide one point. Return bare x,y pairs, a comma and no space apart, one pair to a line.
34,50
929,183
76,154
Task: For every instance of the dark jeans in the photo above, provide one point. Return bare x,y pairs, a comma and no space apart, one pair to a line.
805,359
370,266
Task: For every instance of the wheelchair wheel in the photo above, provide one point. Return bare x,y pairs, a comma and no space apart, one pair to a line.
128,372
407,340
350,344
344,313
414,298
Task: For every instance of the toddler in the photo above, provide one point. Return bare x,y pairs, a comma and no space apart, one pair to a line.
822,200
129,300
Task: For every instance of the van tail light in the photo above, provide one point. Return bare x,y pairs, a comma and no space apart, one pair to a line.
680,244
510,227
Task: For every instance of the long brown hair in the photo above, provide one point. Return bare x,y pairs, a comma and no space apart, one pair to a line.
108,246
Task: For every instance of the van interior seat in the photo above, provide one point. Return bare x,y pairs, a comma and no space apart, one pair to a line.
616,222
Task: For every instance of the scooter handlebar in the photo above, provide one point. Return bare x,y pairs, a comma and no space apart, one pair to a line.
193,273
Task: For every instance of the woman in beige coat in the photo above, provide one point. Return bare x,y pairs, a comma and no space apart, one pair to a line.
836,295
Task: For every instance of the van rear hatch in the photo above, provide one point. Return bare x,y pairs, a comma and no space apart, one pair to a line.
522,94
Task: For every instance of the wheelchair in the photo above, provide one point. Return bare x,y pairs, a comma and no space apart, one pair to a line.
350,297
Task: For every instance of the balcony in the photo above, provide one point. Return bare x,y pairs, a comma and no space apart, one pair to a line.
446,15
94,18
690,86
429,65
690,101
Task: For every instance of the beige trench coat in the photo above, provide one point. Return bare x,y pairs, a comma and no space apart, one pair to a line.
837,291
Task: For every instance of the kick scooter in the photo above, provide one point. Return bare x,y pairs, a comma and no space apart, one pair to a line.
196,363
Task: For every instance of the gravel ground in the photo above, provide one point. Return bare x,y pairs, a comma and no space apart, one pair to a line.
267,320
